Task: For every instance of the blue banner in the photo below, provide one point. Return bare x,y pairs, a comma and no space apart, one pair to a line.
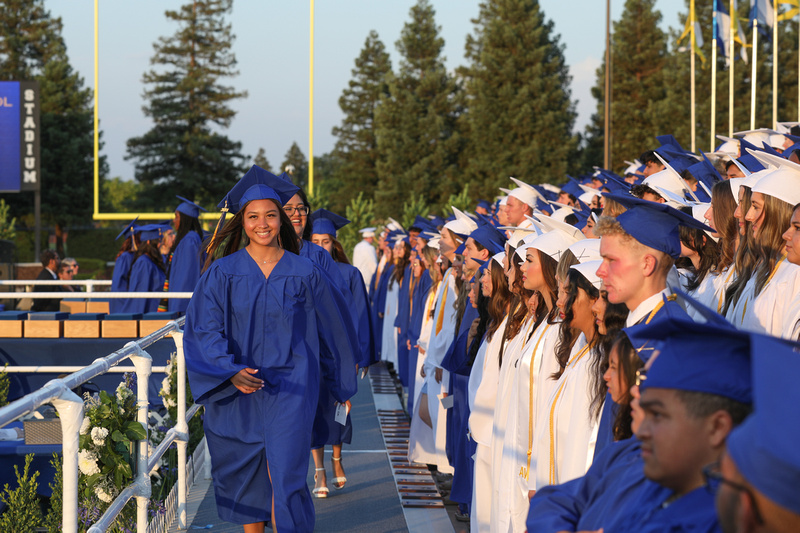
10,142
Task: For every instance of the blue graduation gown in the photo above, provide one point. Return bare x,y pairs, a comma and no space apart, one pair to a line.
401,321
605,431
289,328
586,502
359,305
460,449
419,297
120,279
319,256
184,272
145,277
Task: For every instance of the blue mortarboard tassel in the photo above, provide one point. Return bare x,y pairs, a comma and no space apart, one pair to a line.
327,223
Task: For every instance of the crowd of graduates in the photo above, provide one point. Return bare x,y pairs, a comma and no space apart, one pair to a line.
609,353
575,356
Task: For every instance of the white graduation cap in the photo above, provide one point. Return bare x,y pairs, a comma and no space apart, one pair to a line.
552,243
587,196
735,183
729,147
525,193
781,181
433,242
589,271
751,180
669,179
463,224
549,224
394,225
367,232
699,210
550,187
786,127
633,167
586,250
671,199
756,137
498,258
562,212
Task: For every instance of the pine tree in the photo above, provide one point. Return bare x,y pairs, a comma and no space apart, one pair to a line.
261,160
356,146
416,124
32,48
184,151
638,56
296,165
520,113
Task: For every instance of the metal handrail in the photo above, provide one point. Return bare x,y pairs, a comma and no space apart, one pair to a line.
81,282
70,409
89,295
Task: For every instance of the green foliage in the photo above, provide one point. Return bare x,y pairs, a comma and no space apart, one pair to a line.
4,386
106,458
356,144
54,515
7,222
327,185
32,48
461,201
261,160
520,110
415,205
92,246
119,196
639,56
23,514
183,151
416,124
296,165
361,214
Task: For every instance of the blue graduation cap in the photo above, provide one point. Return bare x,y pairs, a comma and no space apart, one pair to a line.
572,187
437,221
258,184
547,193
188,207
484,264
489,237
616,184
149,232
423,224
326,222
485,204
749,161
698,357
705,172
764,448
653,224
129,228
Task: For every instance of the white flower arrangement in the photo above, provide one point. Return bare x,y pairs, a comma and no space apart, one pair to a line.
85,425
99,436
87,463
103,494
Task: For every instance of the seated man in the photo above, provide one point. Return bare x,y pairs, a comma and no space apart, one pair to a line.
760,470
696,391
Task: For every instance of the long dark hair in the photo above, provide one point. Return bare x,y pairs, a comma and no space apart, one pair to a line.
231,238
501,297
307,228
708,250
483,321
629,363
338,252
727,228
186,225
400,265
131,244
150,249
567,335
745,259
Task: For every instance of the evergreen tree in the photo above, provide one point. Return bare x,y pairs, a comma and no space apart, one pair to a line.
184,151
261,160
296,165
32,48
356,146
520,113
416,123
327,185
638,56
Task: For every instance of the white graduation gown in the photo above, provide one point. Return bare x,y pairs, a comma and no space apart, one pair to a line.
791,324
567,435
705,293
389,334
766,312
504,487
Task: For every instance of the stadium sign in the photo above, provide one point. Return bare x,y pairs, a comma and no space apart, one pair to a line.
20,131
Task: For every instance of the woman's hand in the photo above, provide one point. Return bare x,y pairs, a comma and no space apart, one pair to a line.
245,382
438,375
422,371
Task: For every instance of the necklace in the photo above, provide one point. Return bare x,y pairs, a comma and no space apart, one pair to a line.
264,262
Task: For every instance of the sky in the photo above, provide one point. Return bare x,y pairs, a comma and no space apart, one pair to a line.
272,50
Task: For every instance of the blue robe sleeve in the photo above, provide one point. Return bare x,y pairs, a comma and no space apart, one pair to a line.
605,431
361,315
184,272
421,290
338,339
456,359
208,359
403,305
120,280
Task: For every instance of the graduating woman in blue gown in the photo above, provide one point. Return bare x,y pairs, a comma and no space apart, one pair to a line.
262,329
326,430
186,255
122,265
148,271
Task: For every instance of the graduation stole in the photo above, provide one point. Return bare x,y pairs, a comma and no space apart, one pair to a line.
440,319
163,305
381,264
657,308
731,269
411,284
575,359
523,471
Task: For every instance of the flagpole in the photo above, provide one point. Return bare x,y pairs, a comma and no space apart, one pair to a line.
713,80
311,103
774,64
96,119
691,46
607,110
753,76
731,63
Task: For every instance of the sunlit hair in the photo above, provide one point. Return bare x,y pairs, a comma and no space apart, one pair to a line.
338,252
745,259
232,238
549,273
430,255
500,299
400,263
484,319
612,208
566,260
777,217
519,299
727,227
628,363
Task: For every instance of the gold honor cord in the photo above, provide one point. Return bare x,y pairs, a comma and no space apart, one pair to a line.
530,401
441,308
575,359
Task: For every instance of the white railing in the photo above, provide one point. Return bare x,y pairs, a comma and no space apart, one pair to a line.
90,284
69,406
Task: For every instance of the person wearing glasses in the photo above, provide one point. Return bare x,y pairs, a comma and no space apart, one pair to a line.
694,390
756,480
66,273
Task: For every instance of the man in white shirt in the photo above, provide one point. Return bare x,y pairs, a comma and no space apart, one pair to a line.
364,257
